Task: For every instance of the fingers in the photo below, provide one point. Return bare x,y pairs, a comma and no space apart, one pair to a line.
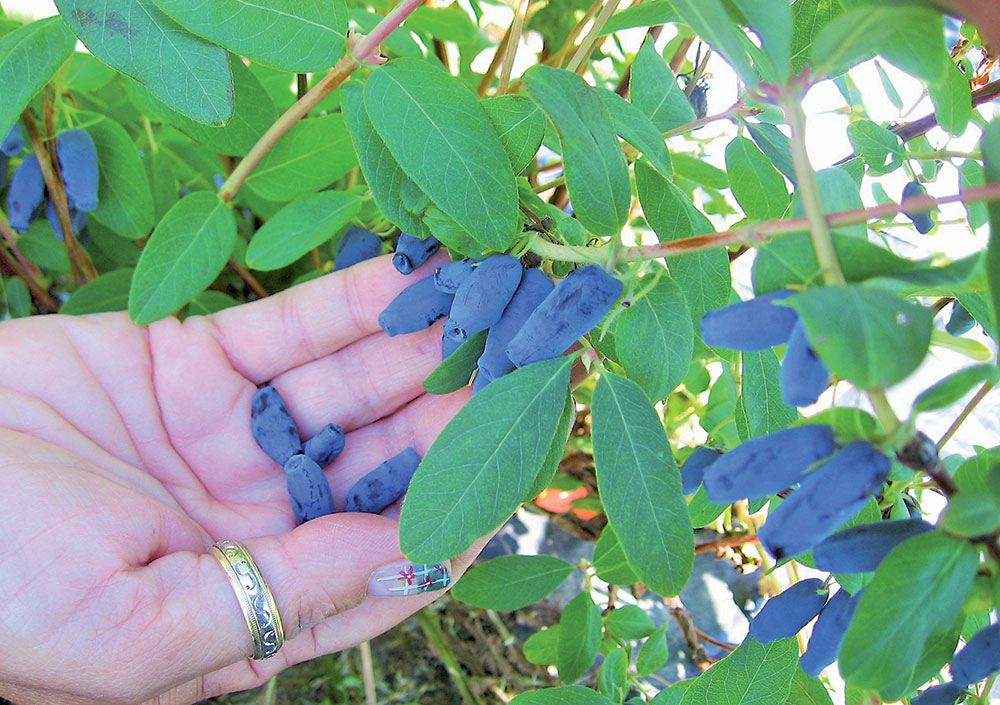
267,337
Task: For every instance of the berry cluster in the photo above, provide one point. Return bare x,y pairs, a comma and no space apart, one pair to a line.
77,157
308,489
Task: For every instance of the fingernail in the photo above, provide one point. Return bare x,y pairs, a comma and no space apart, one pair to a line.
407,578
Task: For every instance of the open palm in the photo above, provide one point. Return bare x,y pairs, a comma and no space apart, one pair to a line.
125,452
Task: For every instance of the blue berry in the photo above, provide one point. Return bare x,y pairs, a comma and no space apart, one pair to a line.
383,485
763,466
785,614
960,322
411,252
78,219
448,277
944,694
272,426
25,193
78,166
803,375
825,500
356,245
416,307
449,345
532,290
859,549
325,446
308,488
756,324
483,295
978,658
13,143
828,632
921,221
693,469
577,304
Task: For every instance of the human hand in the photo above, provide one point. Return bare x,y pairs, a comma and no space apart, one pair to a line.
125,452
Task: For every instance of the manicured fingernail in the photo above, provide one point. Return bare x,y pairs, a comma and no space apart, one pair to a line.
408,578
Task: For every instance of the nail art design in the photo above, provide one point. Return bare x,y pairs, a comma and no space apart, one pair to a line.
406,578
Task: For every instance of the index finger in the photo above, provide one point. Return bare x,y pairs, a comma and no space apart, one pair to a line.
264,338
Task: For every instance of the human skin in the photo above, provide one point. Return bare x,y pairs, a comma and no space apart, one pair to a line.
126,451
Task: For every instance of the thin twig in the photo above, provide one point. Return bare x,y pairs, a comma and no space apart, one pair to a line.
725,542
45,303
250,279
586,47
432,629
729,113
498,54
557,58
983,391
368,672
510,51
29,267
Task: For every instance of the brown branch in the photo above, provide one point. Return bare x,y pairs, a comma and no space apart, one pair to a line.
685,620
250,279
726,542
678,58
45,303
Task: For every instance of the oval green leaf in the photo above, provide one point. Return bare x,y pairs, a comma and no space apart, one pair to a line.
300,226
756,184
754,673
511,582
520,124
955,386
638,130
456,370
564,695
579,637
109,292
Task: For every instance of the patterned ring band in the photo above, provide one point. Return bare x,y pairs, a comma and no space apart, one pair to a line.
255,598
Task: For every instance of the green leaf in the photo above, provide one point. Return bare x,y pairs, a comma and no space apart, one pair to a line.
867,336
917,591
542,647
439,133
564,695
579,637
125,200
840,193
185,253
637,129
809,17
766,412
556,451
381,170
699,171
640,485
756,184
109,292
475,474
300,226
520,124
673,694
162,183
772,22
702,511
655,338
654,89
611,562
140,40
295,35
457,239
449,24
208,302
455,370
511,582
875,144
709,21
313,153
973,175
971,515
29,57
775,145
955,386
753,673
595,168
890,90
612,679
858,34
990,146
653,653
40,246
917,46
630,622
648,14
952,100
84,73
18,298
807,690
253,113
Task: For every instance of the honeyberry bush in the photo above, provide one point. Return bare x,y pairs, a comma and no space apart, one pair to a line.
235,144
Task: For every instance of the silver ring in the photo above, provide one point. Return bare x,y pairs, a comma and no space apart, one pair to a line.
259,608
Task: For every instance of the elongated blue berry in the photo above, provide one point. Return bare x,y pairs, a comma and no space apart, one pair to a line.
13,143
532,290
383,485
944,694
825,500
483,378
763,466
960,322
756,324
693,469
25,193
859,549
828,632
272,426
577,304
923,222
416,307
411,252
325,446
448,277
78,166
308,488
785,614
979,657
483,295
356,245
803,375
78,219
449,345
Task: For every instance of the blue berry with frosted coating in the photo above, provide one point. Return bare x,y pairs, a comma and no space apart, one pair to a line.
859,549
944,694
756,324
78,219
825,500
272,426
693,469
763,466
803,375
356,245
325,446
448,277
570,311
482,380
78,166
25,193
482,296
416,307
449,345
923,222
979,657
383,485
784,615
308,488
411,252
13,143
532,290
828,632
